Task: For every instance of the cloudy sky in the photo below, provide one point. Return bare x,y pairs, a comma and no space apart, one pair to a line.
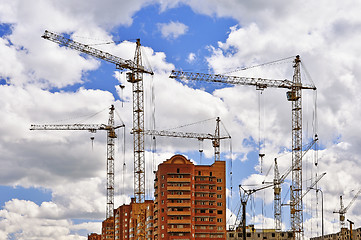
52,184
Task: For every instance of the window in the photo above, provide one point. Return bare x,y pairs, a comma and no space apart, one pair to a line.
162,218
162,193
248,234
219,220
231,235
273,234
125,214
162,209
162,226
219,195
219,179
162,185
210,173
219,212
219,188
203,211
162,176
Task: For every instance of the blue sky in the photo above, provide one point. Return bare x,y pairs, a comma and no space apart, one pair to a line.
57,179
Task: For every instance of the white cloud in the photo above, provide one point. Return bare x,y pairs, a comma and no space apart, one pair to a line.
191,57
172,30
327,41
26,220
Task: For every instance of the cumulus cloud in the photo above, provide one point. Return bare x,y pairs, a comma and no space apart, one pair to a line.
266,31
191,57
172,30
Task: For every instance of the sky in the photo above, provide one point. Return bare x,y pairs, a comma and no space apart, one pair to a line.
53,183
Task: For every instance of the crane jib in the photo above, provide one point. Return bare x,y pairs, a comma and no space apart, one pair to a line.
260,83
84,48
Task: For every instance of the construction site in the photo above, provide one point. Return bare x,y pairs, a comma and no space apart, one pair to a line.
190,200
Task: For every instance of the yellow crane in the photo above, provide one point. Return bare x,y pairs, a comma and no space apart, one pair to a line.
110,128
294,94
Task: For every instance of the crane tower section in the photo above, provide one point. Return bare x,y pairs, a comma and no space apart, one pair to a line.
136,78
295,96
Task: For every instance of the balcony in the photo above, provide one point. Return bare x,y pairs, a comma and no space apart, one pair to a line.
179,221
178,213
172,230
179,204
178,180
175,188
176,196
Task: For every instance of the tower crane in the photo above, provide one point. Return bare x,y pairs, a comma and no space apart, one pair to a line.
200,136
342,211
110,128
294,95
136,78
277,181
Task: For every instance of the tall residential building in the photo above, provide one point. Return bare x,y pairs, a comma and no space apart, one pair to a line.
127,220
190,200
94,236
108,229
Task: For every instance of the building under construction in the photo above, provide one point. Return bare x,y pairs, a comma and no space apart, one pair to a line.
259,234
344,234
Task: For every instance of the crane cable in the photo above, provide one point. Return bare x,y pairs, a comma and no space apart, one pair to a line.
261,143
260,65
123,152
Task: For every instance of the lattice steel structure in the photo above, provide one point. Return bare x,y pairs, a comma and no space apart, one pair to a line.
110,128
295,96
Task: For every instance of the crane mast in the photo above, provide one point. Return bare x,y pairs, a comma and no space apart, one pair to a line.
295,96
110,128
278,180
277,198
136,78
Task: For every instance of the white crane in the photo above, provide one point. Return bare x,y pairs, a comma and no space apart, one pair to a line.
110,128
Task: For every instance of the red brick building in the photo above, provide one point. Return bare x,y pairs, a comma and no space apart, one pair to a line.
108,229
94,236
127,220
190,200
